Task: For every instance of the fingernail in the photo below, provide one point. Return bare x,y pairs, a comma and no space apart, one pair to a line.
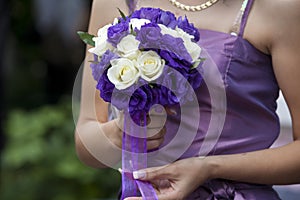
139,174
120,170
173,112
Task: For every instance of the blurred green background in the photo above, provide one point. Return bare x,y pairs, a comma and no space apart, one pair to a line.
40,55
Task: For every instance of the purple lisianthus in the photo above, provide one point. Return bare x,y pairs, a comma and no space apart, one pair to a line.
175,62
195,78
95,68
140,101
152,14
168,19
116,32
105,87
149,36
189,28
120,99
176,46
168,98
98,68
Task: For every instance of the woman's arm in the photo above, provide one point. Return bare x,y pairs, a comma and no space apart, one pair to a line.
92,129
271,166
280,165
99,141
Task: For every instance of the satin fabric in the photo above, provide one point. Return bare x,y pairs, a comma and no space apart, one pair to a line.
227,190
251,122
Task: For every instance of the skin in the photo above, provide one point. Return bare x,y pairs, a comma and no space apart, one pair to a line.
273,27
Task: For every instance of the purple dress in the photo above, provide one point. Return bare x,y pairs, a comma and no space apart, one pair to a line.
241,119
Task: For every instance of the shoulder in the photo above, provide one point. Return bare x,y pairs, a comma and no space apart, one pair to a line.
104,4
281,19
104,12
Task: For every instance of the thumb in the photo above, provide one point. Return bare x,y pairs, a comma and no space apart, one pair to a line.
151,173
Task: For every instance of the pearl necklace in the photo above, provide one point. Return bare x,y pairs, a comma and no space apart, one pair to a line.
200,7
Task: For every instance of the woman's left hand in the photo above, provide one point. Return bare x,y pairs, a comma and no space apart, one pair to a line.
176,180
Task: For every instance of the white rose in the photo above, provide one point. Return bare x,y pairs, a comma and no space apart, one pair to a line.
183,34
193,49
129,47
101,44
151,65
102,32
123,73
138,23
165,30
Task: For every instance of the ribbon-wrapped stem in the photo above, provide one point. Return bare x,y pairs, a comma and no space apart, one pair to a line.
134,157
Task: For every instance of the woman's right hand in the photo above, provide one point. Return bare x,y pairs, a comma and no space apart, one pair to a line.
156,128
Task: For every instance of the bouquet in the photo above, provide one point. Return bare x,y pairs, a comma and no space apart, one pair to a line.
150,57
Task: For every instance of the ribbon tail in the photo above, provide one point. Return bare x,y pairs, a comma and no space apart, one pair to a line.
134,157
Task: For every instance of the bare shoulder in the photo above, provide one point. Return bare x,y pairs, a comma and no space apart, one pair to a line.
274,21
103,12
283,16
282,12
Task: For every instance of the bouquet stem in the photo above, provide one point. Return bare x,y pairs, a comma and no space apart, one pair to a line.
134,157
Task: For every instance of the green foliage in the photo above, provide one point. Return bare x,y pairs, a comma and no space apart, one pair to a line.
122,14
86,38
39,161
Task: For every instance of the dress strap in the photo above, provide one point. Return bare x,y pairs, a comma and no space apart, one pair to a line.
241,19
131,5
247,7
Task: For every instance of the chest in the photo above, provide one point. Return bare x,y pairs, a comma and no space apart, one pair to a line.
220,17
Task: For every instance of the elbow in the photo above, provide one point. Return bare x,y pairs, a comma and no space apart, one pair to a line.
85,156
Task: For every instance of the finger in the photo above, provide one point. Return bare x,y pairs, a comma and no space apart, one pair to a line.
151,174
168,196
157,117
133,198
153,134
171,111
120,120
156,121
154,144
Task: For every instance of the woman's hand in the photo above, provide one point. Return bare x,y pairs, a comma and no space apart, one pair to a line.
156,129
176,180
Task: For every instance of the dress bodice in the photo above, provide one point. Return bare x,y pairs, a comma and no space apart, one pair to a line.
250,120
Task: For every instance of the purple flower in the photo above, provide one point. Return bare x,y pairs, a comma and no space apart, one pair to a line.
116,32
120,99
195,78
149,36
98,68
105,87
152,14
140,101
173,61
176,46
184,24
168,19
168,98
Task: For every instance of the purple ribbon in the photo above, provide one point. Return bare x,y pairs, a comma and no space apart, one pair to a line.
134,157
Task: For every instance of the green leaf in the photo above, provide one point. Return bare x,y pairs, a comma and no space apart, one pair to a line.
122,14
197,63
86,38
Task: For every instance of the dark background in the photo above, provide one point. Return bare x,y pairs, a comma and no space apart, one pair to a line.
40,55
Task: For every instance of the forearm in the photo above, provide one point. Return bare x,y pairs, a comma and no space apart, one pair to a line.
98,144
271,166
